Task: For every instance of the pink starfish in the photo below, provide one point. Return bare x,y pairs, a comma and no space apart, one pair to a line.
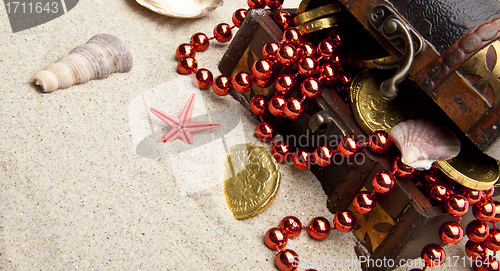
183,127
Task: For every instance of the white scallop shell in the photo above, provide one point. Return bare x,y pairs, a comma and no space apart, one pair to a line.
182,8
423,142
101,56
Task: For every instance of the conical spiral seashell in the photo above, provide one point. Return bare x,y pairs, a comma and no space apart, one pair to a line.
182,8
423,142
101,56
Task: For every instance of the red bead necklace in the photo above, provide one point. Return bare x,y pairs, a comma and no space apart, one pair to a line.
317,66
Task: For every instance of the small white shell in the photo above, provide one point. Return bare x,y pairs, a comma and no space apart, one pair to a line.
423,142
182,8
101,56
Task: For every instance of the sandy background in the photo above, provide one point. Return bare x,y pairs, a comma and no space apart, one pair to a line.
76,195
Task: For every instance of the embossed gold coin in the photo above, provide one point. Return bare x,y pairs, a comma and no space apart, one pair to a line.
252,180
373,113
471,168
321,24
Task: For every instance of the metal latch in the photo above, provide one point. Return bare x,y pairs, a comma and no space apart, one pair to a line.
404,38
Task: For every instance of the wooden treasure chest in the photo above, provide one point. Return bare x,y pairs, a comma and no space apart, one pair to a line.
402,59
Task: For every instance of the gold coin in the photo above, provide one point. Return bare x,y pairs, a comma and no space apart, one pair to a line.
388,61
373,113
471,168
317,13
302,7
321,24
252,180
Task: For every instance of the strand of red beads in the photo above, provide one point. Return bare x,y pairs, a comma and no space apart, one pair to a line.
484,241
316,66
456,204
319,228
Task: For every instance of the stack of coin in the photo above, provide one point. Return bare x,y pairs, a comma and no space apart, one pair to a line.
313,16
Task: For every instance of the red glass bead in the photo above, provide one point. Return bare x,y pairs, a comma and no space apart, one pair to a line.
275,239
490,263
345,79
262,69
258,104
457,205
489,192
311,88
401,170
432,178
223,32
364,202
264,132
348,146
344,221
477,231
329,74
221,85
293,108
336,60
270,50
383,182
242,82
184,50
200,42
484,211
319,228
496,217
301,160
292,36
287,260
439,192
334,37
493,240
433,255
306,49
263,83
326,49
256,3
323,155
291,226
274,3
284,84
239,16
187,65
474,196
379,142
203,78
475,250
284,19
281,152
307,66
451,233
287,54
276,105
